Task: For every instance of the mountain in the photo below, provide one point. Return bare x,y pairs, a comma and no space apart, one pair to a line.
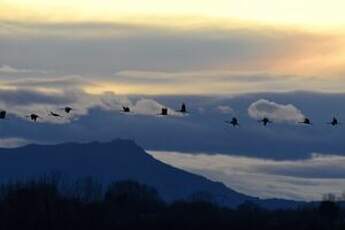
113,161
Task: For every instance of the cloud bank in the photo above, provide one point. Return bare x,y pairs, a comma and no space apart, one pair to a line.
23,102
307,179
146,58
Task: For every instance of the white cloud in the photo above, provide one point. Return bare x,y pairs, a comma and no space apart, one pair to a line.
13,142
151,107
111,101
276,112
23,102
307,179
225,109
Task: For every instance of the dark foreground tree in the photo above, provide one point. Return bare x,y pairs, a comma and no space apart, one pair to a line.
48,204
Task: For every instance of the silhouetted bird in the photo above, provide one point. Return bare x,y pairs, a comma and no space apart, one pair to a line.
3,115
183,108
233,122
126,109
334,122
55,114
306,121
68,109
265,121
33,117
164,112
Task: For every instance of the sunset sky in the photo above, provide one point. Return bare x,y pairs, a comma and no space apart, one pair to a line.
175,47
282,59
309,13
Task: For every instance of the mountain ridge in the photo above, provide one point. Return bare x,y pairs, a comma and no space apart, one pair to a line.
116,160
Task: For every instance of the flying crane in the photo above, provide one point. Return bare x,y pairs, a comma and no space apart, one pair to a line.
306,121
265,121
233,122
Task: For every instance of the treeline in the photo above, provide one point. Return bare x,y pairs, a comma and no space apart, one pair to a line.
46,204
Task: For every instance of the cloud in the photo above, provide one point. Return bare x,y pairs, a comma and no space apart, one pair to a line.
10,69
216,60
151,107
143,106
232,54
111,101
22,102
101,113
30,97
49,82
157,77
13,142
225,109
277,112
307,179
41,95
277,162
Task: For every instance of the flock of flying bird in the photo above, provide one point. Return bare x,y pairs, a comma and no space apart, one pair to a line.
265,121
164,112
35,117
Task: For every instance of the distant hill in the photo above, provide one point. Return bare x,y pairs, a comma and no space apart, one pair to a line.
113,161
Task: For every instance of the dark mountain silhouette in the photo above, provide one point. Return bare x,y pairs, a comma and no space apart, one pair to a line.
114,161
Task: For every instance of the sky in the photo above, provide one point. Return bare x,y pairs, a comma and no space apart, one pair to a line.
306,13
176,47
280,59
284,160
